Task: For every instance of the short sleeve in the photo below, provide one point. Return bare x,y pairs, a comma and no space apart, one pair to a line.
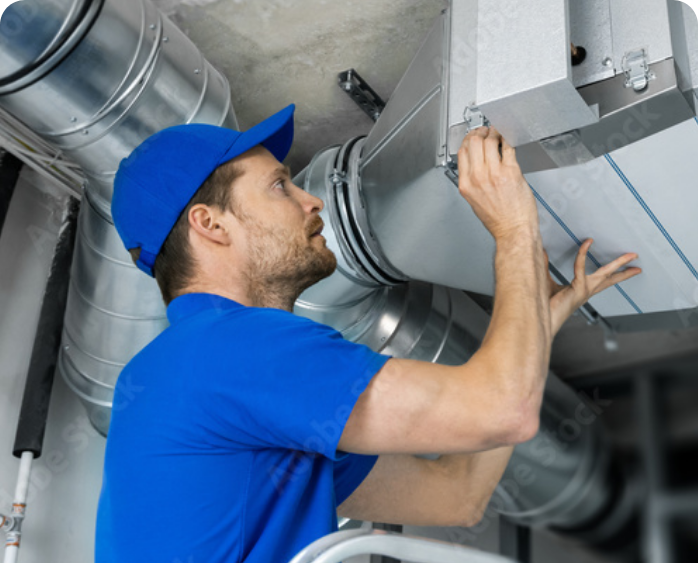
350,471
282,381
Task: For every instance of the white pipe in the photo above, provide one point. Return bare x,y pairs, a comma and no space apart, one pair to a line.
19,505
25,468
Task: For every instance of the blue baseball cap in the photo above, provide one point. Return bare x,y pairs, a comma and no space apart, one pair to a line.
159,178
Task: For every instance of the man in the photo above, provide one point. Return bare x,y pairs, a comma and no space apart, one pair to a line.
219,458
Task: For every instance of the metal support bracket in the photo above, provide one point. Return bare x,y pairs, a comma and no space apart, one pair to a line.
636,69
363,95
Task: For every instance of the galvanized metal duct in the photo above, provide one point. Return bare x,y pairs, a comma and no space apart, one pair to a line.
107,75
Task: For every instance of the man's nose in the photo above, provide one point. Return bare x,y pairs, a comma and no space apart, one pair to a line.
311,203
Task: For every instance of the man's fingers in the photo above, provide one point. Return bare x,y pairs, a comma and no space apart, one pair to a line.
580,261
492,143
476,151
619,262
508,154
619,277
463,161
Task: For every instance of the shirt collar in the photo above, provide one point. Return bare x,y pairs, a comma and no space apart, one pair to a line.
190,304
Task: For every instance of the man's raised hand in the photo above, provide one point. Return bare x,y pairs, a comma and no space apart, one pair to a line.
566,299
491,181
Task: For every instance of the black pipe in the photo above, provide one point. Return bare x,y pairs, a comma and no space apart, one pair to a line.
37,390
10,167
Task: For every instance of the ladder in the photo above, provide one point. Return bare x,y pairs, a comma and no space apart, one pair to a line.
336,547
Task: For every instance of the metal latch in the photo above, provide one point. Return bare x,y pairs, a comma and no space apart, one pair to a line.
474,118
637,71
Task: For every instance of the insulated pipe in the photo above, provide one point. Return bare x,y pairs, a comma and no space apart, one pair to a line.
112,73
42,367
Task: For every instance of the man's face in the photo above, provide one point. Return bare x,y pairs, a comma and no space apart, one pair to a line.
279,226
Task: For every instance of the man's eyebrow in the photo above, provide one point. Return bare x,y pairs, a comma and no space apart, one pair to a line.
281,170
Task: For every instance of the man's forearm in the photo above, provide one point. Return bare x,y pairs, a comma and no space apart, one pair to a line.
473,478
519,337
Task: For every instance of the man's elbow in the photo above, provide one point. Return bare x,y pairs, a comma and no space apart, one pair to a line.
472,513
522,426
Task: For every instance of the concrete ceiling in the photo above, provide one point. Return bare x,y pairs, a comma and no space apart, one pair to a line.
277,52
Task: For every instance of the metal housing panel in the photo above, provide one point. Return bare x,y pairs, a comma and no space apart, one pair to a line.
524,74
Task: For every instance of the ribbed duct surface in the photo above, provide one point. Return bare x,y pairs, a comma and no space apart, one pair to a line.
129,73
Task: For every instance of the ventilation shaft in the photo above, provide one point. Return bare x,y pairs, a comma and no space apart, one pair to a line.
95,78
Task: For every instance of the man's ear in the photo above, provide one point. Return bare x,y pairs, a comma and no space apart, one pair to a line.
208,222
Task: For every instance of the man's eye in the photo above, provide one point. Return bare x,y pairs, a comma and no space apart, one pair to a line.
280,185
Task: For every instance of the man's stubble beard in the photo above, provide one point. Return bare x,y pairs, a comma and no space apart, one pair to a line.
281,266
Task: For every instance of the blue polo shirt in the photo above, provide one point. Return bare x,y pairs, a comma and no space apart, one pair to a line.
223,440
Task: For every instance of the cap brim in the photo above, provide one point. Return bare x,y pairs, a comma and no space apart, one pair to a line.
274,133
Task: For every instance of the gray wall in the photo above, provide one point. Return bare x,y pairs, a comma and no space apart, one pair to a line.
65,481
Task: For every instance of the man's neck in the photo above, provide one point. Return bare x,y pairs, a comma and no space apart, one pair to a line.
254,294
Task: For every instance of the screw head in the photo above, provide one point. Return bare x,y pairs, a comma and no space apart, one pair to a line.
608,61
165,39
197,71
152,26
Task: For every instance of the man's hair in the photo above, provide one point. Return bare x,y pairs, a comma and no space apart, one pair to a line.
174,265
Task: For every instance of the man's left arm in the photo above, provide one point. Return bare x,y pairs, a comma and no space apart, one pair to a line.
455,489
450,491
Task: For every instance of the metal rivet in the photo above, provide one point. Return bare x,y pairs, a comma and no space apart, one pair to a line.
73,119
197,71
152,26
165,39
608,61
85,132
